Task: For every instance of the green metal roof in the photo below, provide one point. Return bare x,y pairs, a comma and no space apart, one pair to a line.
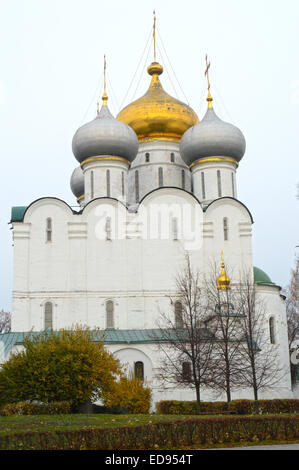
261,278
111,336
17,213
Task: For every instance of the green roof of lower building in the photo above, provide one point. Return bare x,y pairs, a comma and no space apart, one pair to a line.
17,213
261,278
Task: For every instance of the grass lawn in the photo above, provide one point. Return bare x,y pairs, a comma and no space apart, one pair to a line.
17,424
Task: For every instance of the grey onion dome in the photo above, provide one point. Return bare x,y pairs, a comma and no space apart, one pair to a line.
212,137
105,135
77,182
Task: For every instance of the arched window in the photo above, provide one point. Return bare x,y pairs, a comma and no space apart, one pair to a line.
183,179
160,177
109,314
272,330
186,371
219,183
139,370
122,183
48,315
178,315
233,186
49,230
147,157
225,228
172,157
203,186
136,186
91,185
108,182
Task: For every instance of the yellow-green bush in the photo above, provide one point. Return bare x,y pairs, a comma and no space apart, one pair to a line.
33,408
131,393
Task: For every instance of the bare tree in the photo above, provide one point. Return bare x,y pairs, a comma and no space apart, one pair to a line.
4,322
227,353
185,342
260,364
292,306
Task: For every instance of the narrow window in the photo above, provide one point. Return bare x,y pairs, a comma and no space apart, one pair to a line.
136,186
203,186
175,228
172,157
108,182
186,371
183,179
219,183
192,189
178,315
147,157
122,183
91,185
49,230
48,316
109,314
272,330
139,370
108,228
160,177
233,185
225,228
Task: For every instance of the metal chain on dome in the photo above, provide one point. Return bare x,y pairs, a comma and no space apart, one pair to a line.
142,55
160,37
142,71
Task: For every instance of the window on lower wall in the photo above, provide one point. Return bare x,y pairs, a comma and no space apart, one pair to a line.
48,315
178,315
109,314
139,370
272,330
49,230
186,371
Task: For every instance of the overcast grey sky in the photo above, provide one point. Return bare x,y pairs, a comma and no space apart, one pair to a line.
52,65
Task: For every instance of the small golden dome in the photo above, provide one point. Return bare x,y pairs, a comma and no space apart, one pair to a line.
223,281
157,115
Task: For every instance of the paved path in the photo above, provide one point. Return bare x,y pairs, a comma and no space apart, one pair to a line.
276,447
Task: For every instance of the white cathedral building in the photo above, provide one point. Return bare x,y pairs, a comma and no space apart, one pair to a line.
152,184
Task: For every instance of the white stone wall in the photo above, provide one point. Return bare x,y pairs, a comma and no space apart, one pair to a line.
97,170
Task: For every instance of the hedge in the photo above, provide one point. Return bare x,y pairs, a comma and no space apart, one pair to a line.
207,431
241,407
36,408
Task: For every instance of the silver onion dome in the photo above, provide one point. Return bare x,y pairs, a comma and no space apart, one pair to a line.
77,182
105,135
212,137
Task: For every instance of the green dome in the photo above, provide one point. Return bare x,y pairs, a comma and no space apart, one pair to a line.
260,277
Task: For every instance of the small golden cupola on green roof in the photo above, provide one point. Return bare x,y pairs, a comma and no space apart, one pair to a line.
223,281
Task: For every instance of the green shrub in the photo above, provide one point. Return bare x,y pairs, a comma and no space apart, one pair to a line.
240,407
207,431
35,408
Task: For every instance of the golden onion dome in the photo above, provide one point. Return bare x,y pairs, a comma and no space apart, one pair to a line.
157,115
223,281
